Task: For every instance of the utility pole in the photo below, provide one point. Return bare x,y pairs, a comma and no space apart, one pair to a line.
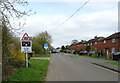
119,16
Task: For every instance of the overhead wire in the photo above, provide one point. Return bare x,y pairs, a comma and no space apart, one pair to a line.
71,15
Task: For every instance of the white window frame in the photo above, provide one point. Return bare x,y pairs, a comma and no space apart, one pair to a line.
104,41
113,50
91,44
113,40
95,43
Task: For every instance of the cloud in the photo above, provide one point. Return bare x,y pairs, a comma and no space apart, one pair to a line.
72,0
85,26
91,21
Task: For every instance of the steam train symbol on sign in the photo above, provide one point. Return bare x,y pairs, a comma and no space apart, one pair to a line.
26,43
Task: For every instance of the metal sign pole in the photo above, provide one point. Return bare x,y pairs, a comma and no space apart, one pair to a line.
26,60
26,47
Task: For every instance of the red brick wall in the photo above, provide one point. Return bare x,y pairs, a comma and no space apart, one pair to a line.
82,47
101,46
77,47
111,45
118,44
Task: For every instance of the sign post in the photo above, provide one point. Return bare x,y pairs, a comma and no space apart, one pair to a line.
26,60
26,46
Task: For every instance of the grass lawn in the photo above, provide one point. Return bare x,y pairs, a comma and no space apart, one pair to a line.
114,63
73,54
101,57
93,56
37,71
45,55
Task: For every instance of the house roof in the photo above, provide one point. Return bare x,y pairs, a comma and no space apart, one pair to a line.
85,42
115,35
101,38
91,40
96,39
79,43
72,44
82,42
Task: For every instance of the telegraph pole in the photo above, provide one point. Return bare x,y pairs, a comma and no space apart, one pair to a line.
119,16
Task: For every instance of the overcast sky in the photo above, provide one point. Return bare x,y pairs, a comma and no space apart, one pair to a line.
97,17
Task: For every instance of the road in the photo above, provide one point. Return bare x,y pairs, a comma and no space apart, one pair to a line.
64,67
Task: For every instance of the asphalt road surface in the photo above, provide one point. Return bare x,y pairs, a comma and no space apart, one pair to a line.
64,67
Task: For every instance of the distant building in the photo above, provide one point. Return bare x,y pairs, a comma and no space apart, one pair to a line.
106,45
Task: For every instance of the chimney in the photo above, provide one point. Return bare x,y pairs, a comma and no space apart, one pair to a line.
95,37
81,40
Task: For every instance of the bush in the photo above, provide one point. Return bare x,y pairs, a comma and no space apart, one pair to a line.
19,64
17,55
76,52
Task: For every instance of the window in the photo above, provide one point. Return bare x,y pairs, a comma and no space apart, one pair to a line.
113,50
104,41
90,43
113,40
95,42
84,44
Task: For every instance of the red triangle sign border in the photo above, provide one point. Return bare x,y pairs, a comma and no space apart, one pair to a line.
25,39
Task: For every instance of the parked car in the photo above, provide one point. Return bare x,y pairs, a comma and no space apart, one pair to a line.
55,51
67,51
115,55
83,53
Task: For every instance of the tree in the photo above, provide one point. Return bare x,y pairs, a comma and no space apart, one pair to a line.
39,41
67,47
9,13
44,37
74,41
11,54
63,48
88,49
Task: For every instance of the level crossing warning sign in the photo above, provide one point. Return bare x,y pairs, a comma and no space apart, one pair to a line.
26,44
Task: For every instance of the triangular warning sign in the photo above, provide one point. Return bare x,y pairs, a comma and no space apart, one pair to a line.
25,37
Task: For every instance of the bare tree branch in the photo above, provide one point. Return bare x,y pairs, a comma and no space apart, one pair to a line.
10,12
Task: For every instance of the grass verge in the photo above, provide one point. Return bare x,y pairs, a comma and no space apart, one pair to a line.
114,63
73,54
102,57
45,55
37,71
93,56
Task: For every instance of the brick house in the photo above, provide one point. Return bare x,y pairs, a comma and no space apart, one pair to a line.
97,43
106,45
111,43
73,47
